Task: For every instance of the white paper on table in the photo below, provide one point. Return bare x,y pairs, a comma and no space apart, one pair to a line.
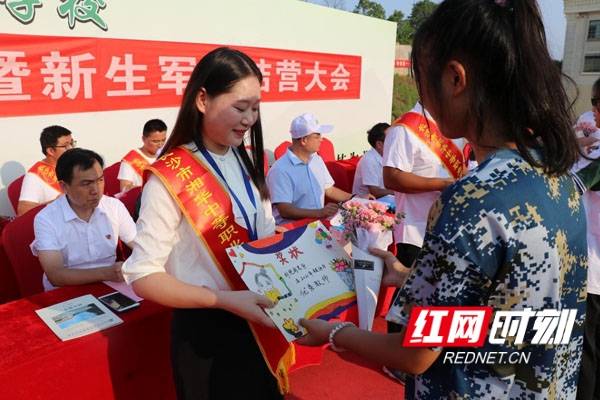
78,317
124,288
368,271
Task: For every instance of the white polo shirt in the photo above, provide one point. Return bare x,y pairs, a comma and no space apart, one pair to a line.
166,242
127,173
405,151
35,190
369,172
291,180
82,244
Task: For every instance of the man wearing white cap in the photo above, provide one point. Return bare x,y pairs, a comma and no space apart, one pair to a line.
299,181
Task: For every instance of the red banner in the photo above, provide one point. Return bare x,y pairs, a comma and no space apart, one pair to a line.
401,63
54,75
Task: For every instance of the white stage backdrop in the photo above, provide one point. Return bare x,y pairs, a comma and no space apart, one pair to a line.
102,68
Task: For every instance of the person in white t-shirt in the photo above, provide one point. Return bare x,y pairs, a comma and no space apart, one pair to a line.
417,176
154,136
299,181
40,185
368,178
76,236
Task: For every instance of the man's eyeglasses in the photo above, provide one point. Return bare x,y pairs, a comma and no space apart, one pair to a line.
70,145
595,101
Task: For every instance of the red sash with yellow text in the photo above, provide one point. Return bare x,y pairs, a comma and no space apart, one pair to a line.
47,173
206,205
428,132
137,162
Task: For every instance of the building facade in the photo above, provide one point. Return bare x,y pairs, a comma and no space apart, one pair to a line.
581,60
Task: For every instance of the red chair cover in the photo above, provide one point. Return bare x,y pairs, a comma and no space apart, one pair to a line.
14,191
111,183
9,289
326,151
16,238
281,149
130,198
342,174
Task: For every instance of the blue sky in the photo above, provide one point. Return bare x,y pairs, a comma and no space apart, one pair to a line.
552,10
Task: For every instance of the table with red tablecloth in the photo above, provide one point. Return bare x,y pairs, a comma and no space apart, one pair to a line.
127,361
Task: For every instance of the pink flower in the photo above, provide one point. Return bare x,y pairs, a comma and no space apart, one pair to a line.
586,127
372,216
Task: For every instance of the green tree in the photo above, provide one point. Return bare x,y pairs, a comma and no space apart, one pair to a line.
396,16
405,31
420,12
370,8
405,95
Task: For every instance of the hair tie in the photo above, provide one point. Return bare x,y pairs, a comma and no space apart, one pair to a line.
505,4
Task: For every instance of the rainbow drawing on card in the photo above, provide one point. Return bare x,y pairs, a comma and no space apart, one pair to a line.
304,271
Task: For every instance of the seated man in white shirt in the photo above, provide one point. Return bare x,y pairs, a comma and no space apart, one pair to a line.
299,181
368,178
132,166
76,236
40,185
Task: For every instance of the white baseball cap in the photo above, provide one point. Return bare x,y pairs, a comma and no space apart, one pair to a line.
306,124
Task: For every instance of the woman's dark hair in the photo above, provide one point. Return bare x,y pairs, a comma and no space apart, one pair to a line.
512,79
377,133
78,157
217,72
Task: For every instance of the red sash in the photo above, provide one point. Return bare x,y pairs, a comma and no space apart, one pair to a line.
46,173
137,162
428,132
207,207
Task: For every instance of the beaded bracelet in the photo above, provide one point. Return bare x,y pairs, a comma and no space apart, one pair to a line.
334,331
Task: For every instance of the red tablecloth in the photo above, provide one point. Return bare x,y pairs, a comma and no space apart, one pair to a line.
128,361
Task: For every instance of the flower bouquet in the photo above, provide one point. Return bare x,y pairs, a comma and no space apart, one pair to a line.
367,223
587,128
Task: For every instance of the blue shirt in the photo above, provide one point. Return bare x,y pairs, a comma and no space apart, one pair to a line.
290,180
510,237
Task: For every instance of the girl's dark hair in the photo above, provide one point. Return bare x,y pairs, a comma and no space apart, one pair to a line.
512,79
217,72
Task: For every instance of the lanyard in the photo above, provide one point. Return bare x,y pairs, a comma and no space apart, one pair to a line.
252,234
